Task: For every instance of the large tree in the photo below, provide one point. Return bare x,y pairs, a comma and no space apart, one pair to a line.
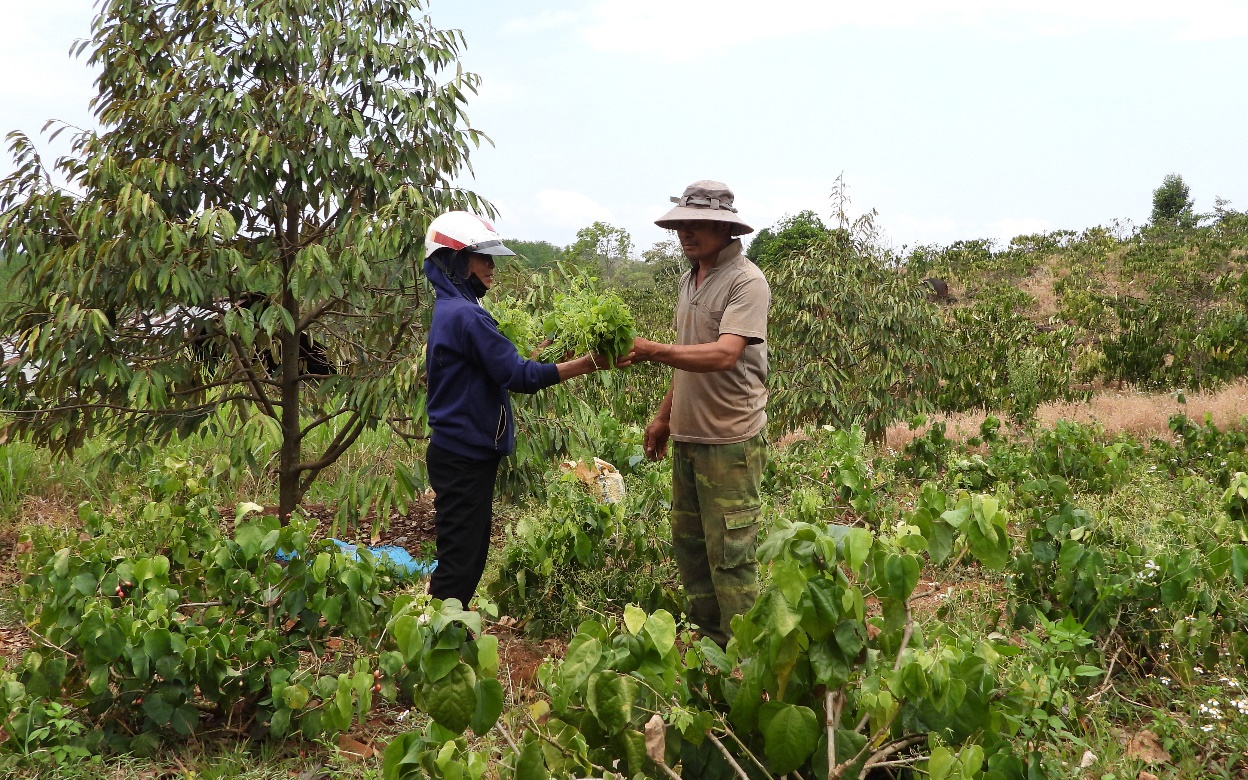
1172,202
263,178
853,336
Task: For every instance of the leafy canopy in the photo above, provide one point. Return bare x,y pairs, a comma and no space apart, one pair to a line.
1172,202
261,185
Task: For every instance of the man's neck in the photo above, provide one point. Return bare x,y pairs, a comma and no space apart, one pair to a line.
703,267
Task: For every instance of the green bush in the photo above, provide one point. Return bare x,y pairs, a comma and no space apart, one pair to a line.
575,558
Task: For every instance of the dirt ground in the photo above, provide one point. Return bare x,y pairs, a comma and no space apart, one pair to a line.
412,531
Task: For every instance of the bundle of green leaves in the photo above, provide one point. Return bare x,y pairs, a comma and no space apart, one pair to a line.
586,320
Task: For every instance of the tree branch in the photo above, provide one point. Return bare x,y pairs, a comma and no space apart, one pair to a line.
728,757
833,703
249,371
893,747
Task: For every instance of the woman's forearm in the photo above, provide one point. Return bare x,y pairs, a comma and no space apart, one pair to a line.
577,367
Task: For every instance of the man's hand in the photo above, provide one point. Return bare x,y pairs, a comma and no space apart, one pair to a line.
655,442
643,350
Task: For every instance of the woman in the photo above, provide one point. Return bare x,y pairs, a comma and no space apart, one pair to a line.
470,368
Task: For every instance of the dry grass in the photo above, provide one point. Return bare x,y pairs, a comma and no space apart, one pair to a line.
1142,415
1040,287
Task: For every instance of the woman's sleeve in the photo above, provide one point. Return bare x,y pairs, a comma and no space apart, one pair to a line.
500,360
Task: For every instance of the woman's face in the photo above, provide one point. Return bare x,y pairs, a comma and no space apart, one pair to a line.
482,267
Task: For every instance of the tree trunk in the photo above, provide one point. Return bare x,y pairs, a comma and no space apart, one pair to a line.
292,438
288,468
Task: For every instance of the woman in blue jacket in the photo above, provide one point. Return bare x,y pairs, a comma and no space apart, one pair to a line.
470,367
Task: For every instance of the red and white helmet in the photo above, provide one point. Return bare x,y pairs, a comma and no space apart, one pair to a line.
464,231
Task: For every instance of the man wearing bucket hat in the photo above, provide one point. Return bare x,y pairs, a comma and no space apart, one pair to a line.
715,410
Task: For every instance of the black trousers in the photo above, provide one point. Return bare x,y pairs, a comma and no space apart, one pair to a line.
463,494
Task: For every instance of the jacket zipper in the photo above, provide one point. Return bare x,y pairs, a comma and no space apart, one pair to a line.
502,425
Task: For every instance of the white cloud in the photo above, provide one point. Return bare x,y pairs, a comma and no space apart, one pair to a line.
563,208
547,20
554,215
685,29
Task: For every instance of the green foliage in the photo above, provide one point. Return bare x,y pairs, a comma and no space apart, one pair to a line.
167,628
516,324
586,320
806,653
264,176
185,622
535,255
926,456
827,475
575,557
1074,452
602,248
792,234
1202,450
998,359
1175,608
852,340
1172,203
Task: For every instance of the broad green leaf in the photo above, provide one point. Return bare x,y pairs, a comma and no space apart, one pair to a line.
489,706
661,628
634,619
582,659
156,708
531,765
320,566
295,696
610,699
452,700
1239,563
941,764
487,655
438,663
857,547
790,737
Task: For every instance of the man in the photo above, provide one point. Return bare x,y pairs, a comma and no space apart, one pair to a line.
715,411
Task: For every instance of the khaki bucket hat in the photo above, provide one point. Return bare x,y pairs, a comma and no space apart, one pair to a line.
706,201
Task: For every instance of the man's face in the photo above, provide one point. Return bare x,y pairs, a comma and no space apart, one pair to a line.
482,267
703,240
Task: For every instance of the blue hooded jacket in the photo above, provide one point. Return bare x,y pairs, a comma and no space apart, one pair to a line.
470,366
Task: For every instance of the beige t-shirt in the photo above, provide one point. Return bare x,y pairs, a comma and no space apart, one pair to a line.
722,407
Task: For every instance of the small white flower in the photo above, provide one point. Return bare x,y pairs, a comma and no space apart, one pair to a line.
1207,728
1164,680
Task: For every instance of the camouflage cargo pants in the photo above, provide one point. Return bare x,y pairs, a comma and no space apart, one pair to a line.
715,512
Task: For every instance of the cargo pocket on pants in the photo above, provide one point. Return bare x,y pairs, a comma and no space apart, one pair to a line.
740,536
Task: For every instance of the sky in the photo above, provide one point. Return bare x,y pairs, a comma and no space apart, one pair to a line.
953,119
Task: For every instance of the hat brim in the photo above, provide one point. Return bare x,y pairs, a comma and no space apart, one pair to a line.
495,248
694,214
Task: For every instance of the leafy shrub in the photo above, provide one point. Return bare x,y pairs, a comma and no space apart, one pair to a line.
926,456
575,557
1172,203
1074,452
853,342
809,679
1170,608
833,462
1202,449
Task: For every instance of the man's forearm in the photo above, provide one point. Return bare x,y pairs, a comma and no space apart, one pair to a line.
699,358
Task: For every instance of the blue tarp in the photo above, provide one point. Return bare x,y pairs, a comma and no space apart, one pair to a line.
389,555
